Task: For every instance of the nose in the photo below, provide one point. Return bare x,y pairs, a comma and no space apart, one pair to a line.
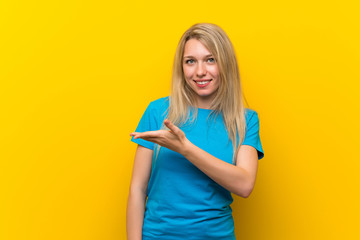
201,69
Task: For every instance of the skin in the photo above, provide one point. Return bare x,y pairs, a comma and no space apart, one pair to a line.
238,179
137,194
199,65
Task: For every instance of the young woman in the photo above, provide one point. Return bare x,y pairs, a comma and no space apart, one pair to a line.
195,147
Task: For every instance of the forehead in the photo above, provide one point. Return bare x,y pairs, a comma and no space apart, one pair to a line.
194,47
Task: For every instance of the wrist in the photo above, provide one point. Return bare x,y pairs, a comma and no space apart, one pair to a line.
186,148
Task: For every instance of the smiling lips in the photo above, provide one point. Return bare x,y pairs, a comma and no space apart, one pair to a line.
202,82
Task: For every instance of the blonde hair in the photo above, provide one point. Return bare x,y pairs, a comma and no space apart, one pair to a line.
228,99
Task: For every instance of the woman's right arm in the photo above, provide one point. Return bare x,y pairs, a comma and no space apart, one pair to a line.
137,193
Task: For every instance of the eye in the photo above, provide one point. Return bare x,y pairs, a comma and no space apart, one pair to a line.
211,60
189,61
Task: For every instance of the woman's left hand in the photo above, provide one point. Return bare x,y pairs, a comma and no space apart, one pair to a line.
173,139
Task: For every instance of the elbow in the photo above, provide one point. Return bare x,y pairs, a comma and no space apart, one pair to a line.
137,191
245,191
243,194
246,194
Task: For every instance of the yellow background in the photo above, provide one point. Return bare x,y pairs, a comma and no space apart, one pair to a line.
76,77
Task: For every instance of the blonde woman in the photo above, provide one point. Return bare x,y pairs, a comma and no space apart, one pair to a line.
195,147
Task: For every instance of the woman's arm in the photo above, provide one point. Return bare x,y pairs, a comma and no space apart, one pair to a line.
137,193
239,179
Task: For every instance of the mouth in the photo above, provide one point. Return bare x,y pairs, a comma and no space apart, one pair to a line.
202,82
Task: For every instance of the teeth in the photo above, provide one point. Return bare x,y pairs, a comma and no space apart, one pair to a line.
203,82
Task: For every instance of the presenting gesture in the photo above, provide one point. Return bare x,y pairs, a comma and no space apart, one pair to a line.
193,188
173,139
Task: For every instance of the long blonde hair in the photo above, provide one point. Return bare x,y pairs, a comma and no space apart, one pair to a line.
228,99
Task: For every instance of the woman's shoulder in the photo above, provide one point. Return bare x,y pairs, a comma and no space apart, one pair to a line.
250,111
159,107
250,114
160,103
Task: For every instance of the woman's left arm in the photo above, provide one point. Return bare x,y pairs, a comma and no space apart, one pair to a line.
238,179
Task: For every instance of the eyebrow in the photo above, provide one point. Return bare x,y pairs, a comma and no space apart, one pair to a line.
209,55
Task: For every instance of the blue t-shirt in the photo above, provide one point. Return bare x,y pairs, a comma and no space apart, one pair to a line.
183,202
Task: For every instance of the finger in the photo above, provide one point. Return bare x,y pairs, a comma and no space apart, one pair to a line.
155,140
171,126
147,134
136,135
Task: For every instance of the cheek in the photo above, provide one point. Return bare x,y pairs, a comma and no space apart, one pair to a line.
187,73
215,71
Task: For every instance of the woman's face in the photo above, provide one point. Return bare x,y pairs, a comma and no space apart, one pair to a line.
201,72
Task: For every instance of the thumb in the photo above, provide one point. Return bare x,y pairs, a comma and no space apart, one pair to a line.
170,125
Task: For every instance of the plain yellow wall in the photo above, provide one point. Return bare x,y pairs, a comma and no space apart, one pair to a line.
76,77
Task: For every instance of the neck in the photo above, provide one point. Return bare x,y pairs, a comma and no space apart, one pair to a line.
204,103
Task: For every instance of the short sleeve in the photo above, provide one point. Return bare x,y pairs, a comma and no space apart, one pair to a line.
148,122
252,137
